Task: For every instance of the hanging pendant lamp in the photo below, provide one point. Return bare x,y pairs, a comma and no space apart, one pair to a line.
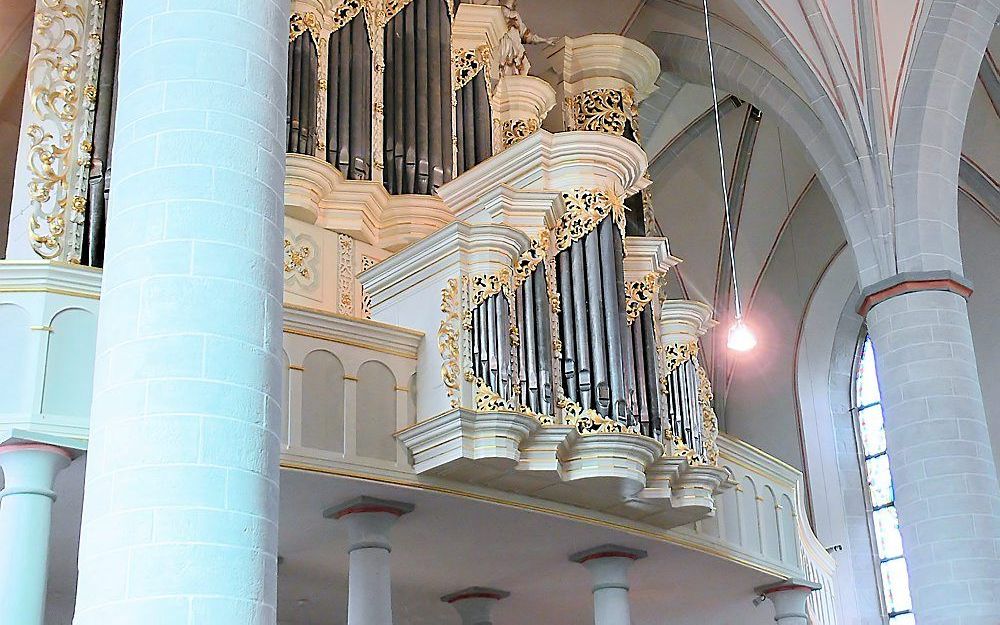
740,338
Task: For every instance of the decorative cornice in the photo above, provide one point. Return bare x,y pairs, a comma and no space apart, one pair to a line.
912,282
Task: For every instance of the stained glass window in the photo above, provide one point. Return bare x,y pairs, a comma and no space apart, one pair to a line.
888,543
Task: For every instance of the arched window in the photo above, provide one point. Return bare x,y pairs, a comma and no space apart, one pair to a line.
881,499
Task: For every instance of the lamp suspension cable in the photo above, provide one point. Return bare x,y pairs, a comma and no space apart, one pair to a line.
740,337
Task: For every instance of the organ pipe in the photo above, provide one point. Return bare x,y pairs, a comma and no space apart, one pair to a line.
92,253
417,91
303,61
349,100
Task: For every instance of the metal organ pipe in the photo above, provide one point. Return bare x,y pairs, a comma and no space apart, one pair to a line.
418,79
567,325
302,85
93,238
349,100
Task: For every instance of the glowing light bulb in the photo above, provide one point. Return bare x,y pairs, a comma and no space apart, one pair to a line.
741,339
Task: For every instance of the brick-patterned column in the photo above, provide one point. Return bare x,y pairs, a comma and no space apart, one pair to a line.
181,497
939,455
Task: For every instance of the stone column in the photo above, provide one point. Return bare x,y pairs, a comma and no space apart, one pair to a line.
475,604
369,583
181,498
608,566
789,599
940,457
29,472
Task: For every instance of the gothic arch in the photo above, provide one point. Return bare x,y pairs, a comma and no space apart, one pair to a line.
831,151
929,132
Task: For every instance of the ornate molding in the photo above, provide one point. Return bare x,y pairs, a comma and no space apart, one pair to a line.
639,294
61,83
611,111
585,209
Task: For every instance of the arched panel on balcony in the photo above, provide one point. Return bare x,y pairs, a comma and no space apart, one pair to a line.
769,524
323,402
417,136
376,412
349,100
69,364
300,123
15,336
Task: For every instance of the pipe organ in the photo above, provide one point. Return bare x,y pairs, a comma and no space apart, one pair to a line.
412,162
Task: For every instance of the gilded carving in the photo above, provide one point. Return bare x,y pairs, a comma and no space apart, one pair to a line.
584,210
345,274
488,400
300,23
449,335
465,64
638,294
484,286
56,81
530,258
344,13
610,111
589,421
676,354
710,423
300,254
512,131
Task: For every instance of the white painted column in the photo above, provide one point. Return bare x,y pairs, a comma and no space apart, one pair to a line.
789,600
181,498
369,583
475,604
29,472
946,490
608,566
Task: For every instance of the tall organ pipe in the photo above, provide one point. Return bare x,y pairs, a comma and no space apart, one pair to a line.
648,356
473,123
418,79
93,237
543,340
612,313
578,284
303,59
349,100
567,326
595,322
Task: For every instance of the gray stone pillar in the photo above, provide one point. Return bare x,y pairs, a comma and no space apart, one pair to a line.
940,457
181,498
789,600
475,604
608,566
29,473
369,583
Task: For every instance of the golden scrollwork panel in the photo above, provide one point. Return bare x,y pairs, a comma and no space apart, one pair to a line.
611,111
61,85
639,294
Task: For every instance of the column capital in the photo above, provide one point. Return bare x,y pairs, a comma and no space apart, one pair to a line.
608,564
475,604
369,520
31,468
789,598
911,282
607,551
